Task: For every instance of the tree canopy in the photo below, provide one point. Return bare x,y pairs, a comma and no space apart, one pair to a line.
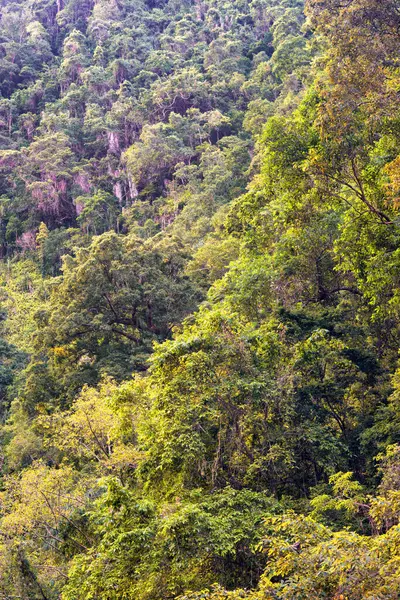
200,307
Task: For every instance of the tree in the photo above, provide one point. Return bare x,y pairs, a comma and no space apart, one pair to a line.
113,300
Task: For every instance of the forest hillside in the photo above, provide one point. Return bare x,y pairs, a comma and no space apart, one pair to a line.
199,299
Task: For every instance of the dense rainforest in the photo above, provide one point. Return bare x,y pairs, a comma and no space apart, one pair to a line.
199,299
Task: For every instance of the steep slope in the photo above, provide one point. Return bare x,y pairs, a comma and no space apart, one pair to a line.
204,195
